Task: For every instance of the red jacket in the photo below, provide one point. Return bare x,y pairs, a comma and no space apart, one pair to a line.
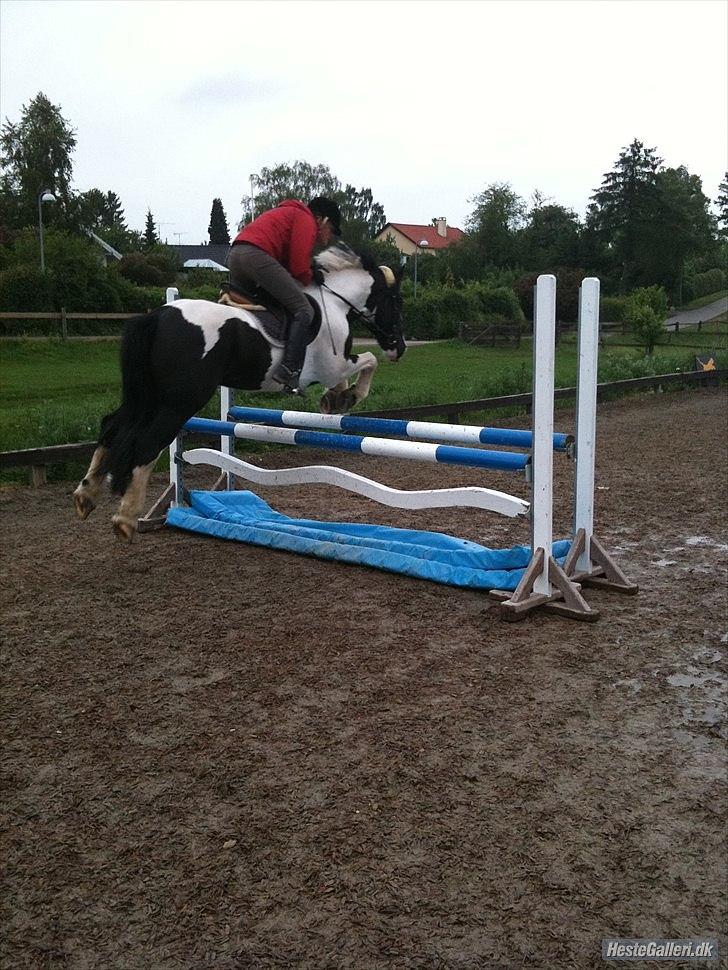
288,234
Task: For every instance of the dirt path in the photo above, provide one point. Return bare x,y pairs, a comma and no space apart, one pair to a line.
221,756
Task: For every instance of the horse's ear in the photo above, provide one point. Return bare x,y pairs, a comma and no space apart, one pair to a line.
389,276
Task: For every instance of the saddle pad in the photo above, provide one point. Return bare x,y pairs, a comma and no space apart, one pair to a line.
242,516
275,324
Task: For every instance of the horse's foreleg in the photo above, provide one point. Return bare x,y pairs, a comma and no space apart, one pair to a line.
342,398
367,364
87,491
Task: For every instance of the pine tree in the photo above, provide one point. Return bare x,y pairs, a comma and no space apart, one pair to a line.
722,203
218,228
150,232
625,205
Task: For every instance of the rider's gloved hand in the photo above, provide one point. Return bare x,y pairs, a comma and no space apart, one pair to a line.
319,277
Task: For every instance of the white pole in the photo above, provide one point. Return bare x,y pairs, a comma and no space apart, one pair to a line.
544,333
586,416
176,476
227,442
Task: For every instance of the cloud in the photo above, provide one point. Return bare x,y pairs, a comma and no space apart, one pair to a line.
221,90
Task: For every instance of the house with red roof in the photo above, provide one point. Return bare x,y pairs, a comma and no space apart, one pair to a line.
410,238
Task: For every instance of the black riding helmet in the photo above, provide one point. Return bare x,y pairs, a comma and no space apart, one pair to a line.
322,206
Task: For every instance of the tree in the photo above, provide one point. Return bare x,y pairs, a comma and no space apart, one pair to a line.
151,238
550,237
362,218
682,228
103,213
498,215
297,181
645,312
722,203
624,206
36,155
218,228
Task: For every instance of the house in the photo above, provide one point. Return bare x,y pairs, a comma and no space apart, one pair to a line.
410,238
202,256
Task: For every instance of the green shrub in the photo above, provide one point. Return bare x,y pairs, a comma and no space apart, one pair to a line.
495,301
196,279
25,289
645,312
709,282
149,269
612,308
568,282
207,292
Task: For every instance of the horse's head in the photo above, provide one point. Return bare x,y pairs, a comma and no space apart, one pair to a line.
378,301
384,304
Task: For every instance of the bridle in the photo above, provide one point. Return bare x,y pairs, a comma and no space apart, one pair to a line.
369,320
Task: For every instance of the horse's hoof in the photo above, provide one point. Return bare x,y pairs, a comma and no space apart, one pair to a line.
337,402
348,402
124,529
84,504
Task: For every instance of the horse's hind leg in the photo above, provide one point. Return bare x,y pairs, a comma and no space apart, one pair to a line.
152,440
127,518
87,491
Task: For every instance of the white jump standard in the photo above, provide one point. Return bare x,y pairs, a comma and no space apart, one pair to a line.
544,582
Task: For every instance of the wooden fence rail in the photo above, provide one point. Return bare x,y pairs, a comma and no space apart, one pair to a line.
38,459
62,317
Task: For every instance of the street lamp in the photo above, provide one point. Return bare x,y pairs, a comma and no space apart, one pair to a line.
422,244
45,195
253,179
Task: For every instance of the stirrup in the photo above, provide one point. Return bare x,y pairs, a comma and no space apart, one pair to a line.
282,374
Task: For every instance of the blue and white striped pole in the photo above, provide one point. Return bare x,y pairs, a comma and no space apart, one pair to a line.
413,430
380,447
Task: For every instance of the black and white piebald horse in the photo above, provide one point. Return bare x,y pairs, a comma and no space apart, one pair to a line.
174,359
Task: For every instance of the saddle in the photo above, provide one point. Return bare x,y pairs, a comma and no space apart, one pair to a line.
272,315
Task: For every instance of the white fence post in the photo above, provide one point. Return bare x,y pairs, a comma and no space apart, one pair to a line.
586,417
544,333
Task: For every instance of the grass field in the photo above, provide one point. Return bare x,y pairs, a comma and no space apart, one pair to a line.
53,392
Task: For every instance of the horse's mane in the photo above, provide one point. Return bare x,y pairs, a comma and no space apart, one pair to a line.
337,257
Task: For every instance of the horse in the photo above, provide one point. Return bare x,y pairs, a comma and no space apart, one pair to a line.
174,359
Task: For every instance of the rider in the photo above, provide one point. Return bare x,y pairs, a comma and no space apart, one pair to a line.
274,252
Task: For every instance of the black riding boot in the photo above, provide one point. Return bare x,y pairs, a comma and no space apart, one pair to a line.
289,369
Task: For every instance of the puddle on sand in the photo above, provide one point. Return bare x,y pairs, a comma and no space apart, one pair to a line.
702,695
695,679
706,541
634,685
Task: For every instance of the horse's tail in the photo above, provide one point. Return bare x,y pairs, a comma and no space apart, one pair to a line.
138,396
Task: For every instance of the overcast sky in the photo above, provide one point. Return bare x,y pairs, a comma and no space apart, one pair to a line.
425,102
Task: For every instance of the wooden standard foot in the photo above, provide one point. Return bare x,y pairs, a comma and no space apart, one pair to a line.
603,572
564,599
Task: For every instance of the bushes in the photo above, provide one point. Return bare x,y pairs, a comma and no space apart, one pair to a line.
710,282
645,312
568,282
612,308
148,269
25,288
438,311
